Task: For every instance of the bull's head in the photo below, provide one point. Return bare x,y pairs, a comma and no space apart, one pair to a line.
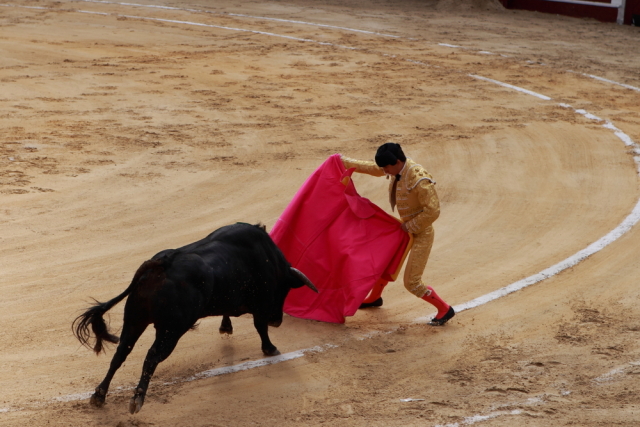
300,280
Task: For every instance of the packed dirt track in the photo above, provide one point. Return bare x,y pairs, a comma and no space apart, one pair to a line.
127,128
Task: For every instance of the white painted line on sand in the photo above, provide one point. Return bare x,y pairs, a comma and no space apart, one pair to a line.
74,397
583,112
255,363
150,6
616,372
516,88
241,15
354,30
173,21
478,418
626,139
90,12
26,7
530,402
602,79
623,136
197,24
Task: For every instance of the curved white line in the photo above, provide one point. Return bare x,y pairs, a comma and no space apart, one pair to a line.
255,363
479,418
637,89
26,7
240,15
197,24
507,85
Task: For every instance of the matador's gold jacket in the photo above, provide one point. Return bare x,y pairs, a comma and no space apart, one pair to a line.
418,204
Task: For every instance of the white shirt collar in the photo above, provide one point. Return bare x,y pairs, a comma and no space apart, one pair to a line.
403,168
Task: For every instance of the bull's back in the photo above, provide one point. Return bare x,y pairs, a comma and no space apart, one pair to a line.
243,265
248,243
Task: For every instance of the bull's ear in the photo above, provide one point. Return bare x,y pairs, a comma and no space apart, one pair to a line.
304,279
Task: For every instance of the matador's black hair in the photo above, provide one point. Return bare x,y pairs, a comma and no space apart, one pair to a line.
388,154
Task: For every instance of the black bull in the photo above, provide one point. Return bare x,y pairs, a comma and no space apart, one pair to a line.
235,270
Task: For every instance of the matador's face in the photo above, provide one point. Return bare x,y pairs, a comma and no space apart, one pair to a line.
393,170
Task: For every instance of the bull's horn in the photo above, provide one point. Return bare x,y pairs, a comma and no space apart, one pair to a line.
305,279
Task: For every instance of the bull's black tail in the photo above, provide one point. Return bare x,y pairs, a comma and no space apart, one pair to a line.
94,316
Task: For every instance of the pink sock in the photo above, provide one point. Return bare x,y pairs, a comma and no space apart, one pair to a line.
432,298
376,292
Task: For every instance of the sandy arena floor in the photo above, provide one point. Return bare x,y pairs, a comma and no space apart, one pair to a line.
126,129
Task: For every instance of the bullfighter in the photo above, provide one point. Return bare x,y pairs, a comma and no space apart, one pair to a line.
412,188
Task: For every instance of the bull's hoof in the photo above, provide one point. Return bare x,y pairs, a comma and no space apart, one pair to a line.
98,398
226,327
275,323
225,330
271,352
136,402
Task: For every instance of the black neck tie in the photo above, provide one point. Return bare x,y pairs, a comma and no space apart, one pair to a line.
392,195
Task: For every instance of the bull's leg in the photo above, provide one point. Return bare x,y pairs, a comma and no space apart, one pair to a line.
162,347
128,339
262,326
225,326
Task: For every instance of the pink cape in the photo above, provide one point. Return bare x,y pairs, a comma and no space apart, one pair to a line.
341,241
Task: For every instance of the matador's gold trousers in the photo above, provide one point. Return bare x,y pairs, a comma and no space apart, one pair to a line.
418,257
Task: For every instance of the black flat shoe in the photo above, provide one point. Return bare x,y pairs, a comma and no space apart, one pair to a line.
444,319
376,303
